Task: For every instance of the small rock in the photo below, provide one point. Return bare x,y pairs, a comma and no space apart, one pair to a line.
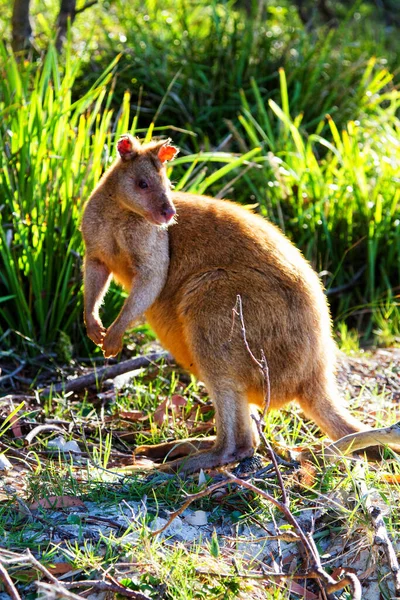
59,443
197,518
5,464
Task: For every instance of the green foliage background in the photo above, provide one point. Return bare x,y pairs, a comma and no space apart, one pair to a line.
302,122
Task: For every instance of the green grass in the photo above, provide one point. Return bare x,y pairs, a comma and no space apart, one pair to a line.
338,199
330,182
52,152
202,568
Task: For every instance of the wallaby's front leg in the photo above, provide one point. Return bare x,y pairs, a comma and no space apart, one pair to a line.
96,281
144,292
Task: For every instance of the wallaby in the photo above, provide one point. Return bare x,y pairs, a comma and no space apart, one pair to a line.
184,259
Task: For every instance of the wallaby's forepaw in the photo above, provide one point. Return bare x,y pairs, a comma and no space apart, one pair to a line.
112,343
96,332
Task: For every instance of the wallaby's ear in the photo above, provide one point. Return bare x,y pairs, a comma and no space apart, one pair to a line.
167,152
127,147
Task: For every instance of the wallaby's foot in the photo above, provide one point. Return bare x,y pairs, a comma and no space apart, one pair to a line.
175,449
207,459
249,465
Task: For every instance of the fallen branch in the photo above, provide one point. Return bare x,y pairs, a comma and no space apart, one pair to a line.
8,584
382,539
53,590
58,589
14,452
13,373
385,436
381,534
105,586
316,568
109,372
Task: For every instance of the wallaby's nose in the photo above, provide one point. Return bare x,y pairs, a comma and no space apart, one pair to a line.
168,211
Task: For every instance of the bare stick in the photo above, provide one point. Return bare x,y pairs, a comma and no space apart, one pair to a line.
8,557
57,591
385,436
382,538
98,375
106,586
13,373
18,454
329,584
263,366
315,562
381,534
39,429
8,584
190,499
85,6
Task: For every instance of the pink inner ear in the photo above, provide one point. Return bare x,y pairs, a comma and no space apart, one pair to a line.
167,153
124,146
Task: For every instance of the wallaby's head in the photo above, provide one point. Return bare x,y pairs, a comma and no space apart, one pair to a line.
143,185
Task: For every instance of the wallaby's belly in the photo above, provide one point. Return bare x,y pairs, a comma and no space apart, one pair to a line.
170,333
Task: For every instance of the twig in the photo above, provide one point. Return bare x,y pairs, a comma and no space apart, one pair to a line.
106,586
18,454
346,286
36,430
8,557
261,364
273,575
85,6
98,375
381,534
382,538
13,373
384,436
315,562
56,591
8,584
307,541
190,499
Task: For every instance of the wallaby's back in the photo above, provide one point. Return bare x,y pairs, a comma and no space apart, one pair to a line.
219,250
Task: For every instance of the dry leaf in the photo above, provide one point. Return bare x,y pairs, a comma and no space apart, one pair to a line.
302,591
390,477
60,568
178,400
57,502
160,414
15,426
132,415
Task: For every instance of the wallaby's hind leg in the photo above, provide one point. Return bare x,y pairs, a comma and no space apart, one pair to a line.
236,437
322,403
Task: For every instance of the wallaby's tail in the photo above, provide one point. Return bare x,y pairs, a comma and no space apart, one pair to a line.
326,408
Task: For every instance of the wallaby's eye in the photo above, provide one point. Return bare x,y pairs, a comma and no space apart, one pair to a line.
143,184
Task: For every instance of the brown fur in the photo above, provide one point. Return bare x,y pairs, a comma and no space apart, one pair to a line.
186,278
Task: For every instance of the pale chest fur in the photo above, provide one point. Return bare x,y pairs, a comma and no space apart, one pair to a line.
128,245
